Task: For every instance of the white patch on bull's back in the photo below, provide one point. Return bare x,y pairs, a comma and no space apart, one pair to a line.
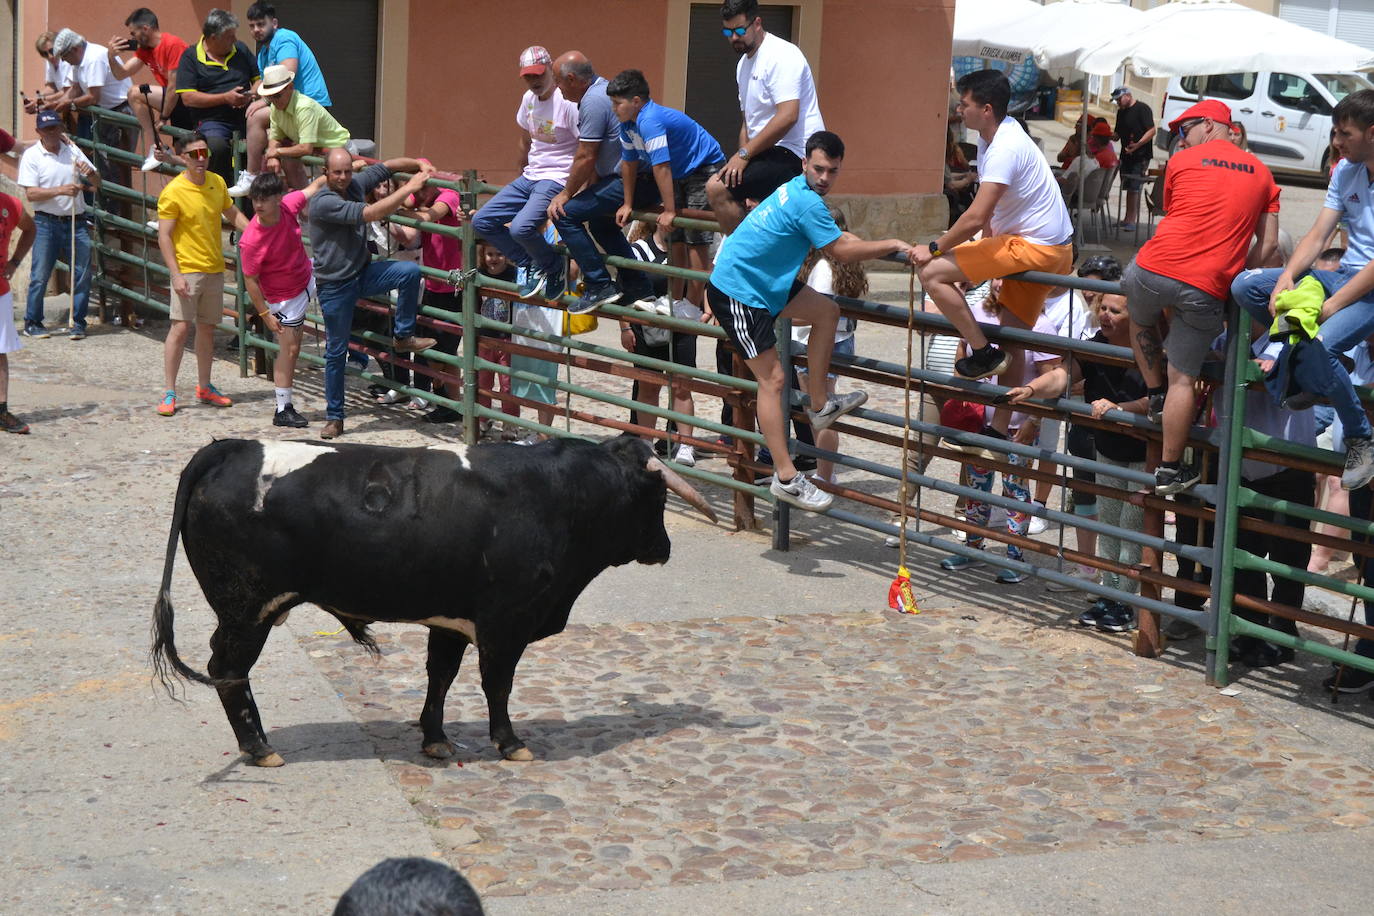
280,459
466,627
456,448
271,607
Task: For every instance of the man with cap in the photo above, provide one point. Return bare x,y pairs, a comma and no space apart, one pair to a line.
1219,198
1135,128
1347,308
94,83
513,221
299,126
52,173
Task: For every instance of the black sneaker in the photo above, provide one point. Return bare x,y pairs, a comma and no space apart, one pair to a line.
1352,680
442,414
983,363
550,285
592,299
1155,412
1169,481
12,424
1359,463
1093,615
288,417
1117,618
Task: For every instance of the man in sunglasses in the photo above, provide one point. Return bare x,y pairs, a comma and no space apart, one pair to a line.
778,98
1218,198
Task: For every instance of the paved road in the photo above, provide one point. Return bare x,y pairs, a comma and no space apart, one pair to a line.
739,730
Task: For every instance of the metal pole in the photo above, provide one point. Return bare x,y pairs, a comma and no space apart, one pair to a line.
1231,420
470,329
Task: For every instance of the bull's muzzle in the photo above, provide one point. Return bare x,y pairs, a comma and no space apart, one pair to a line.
682,488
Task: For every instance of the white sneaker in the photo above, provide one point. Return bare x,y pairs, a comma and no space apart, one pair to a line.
801,493
151,224
1036,525
1078,571
240,188
151,163
686,455
660,305
836,407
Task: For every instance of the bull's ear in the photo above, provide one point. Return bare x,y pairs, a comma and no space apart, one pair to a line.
630,449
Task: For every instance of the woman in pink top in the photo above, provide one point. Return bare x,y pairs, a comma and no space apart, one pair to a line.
440,252
278,276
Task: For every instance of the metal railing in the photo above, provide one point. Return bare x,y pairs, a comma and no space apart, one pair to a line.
877,434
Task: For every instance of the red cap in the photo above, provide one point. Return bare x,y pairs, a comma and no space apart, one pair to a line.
6,142
534,60
1101,129
963,415
1207,108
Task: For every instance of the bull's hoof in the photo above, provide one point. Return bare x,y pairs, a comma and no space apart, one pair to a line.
439,750
272,759
521,754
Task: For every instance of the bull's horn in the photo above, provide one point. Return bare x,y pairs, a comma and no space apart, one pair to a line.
682,488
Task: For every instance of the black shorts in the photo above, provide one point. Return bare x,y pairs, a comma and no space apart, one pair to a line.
749,329
681,348
766,172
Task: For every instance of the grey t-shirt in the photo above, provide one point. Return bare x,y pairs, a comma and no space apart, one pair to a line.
596,122
338,235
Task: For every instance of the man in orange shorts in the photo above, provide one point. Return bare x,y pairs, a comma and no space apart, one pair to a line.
1025,226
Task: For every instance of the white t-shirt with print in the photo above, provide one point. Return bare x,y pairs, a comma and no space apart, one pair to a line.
1032,206
552,126
778,72
94,71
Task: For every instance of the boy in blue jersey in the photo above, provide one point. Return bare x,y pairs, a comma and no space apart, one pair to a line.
755,281
664,145
276,46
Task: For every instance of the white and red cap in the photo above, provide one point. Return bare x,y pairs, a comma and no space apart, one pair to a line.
534,60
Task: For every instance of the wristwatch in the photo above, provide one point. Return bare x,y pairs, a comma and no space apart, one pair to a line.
743,152
935,251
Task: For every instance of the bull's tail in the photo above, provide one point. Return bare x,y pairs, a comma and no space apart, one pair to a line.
167,664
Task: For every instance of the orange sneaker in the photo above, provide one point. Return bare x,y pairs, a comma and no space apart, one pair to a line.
168,405
210,395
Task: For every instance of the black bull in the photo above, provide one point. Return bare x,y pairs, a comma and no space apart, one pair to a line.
489,545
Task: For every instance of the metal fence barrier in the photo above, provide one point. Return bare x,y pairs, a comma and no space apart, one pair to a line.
1219,509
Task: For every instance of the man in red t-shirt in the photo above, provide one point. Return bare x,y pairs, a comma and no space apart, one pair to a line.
1223,211
278,276
12,216
160,52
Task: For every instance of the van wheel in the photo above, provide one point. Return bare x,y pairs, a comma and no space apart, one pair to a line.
1326,161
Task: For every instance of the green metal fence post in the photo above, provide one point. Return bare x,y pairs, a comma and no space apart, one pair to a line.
1231,420
470,329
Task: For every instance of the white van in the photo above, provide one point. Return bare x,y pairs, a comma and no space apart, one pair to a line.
1287,116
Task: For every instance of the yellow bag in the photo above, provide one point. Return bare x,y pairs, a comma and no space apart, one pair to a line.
578,324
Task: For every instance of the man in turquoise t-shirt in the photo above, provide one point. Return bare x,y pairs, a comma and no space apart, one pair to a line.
755,281
276,47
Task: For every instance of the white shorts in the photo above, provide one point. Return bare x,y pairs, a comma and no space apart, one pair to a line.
291,313
9,338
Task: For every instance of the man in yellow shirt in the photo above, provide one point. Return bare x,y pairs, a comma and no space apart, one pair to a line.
298,126
189,213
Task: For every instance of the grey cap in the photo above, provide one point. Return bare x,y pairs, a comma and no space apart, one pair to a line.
1119,91
65,41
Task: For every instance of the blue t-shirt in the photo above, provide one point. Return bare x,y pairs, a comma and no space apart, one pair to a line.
758,262
1352,193
286,44
597,123
662,135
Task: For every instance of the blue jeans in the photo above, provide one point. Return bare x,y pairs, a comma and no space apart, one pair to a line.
524,205
595,207
1338,333
53,241
338,300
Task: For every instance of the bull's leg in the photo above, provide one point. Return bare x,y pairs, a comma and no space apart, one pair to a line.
498,659
446,650
233,652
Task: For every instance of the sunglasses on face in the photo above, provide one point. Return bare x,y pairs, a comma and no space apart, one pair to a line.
1187,126
201,153
737,32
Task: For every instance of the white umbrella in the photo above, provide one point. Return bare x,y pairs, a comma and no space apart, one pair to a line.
1059,32
981,29
1188,37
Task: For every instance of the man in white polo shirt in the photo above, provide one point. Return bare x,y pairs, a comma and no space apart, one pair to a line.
778,98
1027,228
51,173
94,83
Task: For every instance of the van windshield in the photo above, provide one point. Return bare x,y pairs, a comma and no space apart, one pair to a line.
1341,85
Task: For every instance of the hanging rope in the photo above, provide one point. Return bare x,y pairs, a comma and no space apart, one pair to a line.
899,596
